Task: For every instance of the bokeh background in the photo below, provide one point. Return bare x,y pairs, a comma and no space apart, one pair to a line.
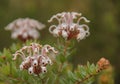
104,15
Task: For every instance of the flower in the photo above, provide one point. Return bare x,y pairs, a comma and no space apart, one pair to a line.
67,28
35,58
25,28
103,63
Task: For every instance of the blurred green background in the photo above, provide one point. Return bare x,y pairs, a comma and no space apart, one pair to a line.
104,15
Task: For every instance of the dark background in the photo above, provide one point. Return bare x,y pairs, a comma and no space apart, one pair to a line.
104,15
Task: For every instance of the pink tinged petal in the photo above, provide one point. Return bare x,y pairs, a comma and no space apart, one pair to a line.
35,50
69,18
25,47
49,61
25,35
41,26
75,14
43,51
33,33
87,33
44,70
56,32
81,35
20,31
82,18
15,56
30,70
14,35
85,27
19,22
35,63
63,26
44,61
36,24
21,67
72,27
52,28
64,34
10,26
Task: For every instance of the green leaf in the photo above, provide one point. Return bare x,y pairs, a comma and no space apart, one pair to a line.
72,76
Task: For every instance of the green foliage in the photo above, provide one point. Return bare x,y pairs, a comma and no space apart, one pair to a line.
105,31
61,72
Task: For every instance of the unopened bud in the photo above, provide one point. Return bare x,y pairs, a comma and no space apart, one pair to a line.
30,70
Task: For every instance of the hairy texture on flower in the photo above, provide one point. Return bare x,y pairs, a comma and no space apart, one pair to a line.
35,58
67,28
103,63
25,28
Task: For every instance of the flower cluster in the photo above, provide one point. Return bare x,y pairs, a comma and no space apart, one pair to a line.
35,58
67,28
25,28
103,63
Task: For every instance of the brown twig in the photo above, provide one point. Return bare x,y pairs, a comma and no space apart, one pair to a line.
89,76
86,78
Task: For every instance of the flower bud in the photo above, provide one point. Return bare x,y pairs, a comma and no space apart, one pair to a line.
21,67
56,32
30,70
35,50
44,70
64,34
49,61
44,62
35,63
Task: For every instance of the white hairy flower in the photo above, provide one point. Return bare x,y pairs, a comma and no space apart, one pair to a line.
36,60
67,28
25,28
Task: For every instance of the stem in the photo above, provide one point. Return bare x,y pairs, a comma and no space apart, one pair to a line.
89,76
10,68
65,47
60,68
86,78
40,79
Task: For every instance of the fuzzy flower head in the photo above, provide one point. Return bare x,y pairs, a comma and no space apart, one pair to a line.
35,58
103,63
67,27
25,28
